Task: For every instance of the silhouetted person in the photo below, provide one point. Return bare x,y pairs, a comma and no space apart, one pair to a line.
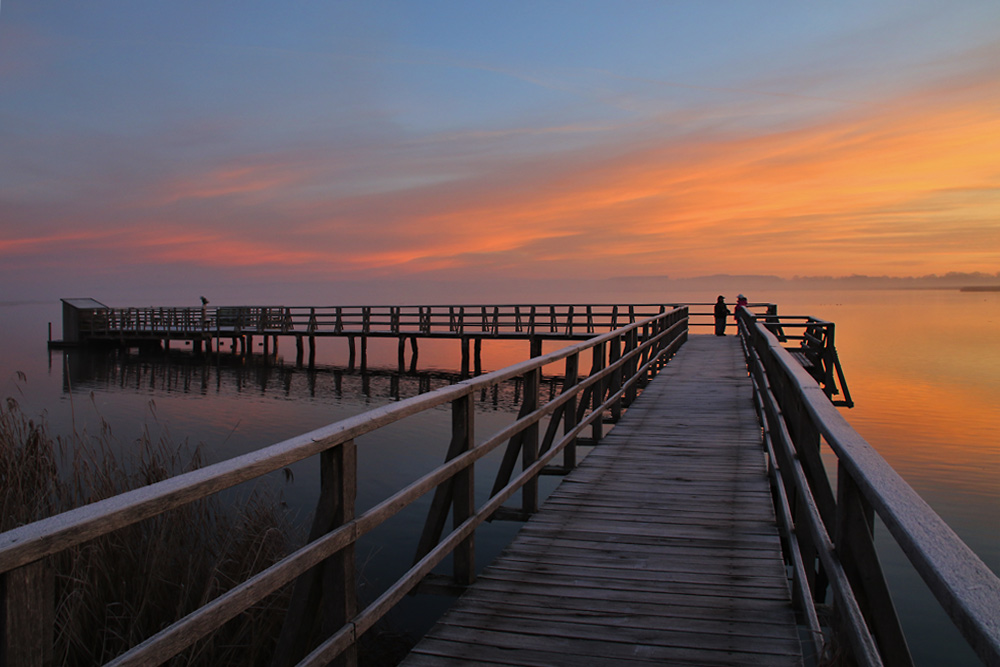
741,302
721,314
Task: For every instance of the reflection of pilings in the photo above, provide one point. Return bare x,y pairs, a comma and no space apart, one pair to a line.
183,373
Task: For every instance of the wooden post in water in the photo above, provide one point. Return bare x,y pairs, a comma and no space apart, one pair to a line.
350,352
465,356
415,352
535,343
478,355
299,350
311,329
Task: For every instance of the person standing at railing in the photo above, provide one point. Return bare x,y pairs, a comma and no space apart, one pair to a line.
721,315
741,302
204,312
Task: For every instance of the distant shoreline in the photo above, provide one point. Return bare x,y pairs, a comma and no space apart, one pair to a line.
980,288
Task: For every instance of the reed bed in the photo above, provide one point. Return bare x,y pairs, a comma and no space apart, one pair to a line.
115,591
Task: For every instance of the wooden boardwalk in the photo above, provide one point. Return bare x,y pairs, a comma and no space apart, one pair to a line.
661,548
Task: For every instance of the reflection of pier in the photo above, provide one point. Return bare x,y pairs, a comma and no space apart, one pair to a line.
176,372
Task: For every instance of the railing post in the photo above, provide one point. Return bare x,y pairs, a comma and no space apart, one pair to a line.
27,595
326,594
853,537
569,415
529,446
597,397
464,500
616,379
632,366
462,437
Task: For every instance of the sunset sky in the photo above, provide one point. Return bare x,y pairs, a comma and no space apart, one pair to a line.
247,143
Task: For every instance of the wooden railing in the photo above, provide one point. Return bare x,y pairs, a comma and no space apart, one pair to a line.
623,360
565,320
828,534
814,347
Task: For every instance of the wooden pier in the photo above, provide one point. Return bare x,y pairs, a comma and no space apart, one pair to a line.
661,548
703,529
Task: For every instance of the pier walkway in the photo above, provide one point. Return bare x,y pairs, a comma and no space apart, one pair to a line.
662,547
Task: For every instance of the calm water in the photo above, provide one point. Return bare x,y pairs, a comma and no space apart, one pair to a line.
923,368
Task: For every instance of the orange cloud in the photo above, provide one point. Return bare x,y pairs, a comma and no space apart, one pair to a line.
907,186
258,179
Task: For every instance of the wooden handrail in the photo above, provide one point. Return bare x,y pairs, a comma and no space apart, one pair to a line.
559,320
22,546
967,590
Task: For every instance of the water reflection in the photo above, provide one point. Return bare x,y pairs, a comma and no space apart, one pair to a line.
159,373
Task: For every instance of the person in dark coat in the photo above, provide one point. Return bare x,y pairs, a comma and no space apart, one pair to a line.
721,314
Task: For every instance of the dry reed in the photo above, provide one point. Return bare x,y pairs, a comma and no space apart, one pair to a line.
113,592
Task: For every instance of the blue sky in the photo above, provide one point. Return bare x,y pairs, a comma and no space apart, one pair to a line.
243,141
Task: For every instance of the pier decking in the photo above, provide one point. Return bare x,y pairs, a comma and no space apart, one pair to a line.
662,547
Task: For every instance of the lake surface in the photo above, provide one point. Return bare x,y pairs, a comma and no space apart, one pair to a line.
923,368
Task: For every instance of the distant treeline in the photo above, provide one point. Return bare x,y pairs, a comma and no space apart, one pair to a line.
975,281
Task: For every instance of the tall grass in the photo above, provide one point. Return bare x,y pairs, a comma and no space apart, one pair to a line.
115,591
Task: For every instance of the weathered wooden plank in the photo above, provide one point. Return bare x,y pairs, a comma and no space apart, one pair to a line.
528,605
521,649
660,636
662,546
